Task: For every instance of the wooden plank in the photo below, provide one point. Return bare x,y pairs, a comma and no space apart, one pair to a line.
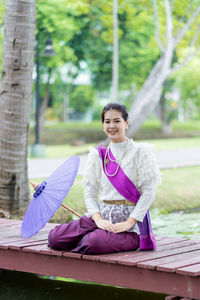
44,249
133,259
193,270
171,267
9,221
19,245
166,244
174,245
7,228
158,263
15,239
151,264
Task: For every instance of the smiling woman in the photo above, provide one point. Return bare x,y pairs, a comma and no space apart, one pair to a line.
115,122
126,175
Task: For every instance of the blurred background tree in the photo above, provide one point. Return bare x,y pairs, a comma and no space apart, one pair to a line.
82,36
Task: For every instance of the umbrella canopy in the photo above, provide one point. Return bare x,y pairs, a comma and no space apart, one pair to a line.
49,196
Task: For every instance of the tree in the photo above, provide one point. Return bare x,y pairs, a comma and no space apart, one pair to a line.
187,81
81,98
60,22
115,52
186,31
15,100
137,50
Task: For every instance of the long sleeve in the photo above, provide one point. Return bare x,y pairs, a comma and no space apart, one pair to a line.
148,193
91,181
148,179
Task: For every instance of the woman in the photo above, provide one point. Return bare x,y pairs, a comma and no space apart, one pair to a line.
125,174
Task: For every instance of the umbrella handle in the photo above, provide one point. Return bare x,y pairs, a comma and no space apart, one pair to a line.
71,210
34,185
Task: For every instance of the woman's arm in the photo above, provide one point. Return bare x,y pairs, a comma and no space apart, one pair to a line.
148,193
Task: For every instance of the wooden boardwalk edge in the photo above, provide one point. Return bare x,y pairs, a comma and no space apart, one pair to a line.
100,272
136,270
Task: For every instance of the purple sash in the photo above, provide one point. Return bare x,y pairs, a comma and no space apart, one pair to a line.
129,191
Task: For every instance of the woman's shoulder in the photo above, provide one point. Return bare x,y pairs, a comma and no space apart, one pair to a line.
140,148
147,164
93,154
145,148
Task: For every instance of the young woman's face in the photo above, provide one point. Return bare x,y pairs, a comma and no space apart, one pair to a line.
115,126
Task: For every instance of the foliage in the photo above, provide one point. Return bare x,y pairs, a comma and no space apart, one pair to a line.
83,31
59,23
187,80
81,98
136,51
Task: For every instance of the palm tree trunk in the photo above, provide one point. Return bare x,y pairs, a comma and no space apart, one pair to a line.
15,100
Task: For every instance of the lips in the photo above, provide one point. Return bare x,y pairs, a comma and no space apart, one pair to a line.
112,132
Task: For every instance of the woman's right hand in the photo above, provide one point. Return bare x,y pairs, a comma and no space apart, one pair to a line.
103,224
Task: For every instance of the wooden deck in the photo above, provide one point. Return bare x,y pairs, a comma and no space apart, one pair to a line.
173,269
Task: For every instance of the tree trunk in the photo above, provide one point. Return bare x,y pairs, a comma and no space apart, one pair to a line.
15,102
115,71
150,93
166,125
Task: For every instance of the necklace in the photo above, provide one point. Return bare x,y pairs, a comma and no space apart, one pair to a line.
107,160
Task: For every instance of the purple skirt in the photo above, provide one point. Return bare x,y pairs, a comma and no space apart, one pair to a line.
83,236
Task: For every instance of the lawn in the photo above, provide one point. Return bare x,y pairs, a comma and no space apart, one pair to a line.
55,151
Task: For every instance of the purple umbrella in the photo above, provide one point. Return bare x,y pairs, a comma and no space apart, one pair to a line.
49,196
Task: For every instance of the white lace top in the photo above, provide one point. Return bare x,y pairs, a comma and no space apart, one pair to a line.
139,164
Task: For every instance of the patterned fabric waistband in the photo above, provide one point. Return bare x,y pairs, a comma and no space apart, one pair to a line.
124,202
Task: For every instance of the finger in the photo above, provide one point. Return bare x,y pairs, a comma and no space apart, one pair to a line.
110,228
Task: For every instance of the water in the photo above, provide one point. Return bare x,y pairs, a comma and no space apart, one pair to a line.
24,286
177,224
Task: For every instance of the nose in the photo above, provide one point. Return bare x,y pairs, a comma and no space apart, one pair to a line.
112,125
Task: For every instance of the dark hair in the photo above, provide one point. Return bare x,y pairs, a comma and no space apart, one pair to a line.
115,106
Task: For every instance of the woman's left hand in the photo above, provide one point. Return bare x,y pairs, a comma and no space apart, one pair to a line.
124,226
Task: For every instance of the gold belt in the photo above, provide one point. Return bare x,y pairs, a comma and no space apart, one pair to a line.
125,202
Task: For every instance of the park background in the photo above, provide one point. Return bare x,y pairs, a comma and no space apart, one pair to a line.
144,54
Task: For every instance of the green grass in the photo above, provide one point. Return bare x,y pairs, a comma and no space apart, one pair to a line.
150,124
55,151
186,126
180,190
75,125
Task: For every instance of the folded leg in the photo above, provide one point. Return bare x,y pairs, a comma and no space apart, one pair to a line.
66,236
101,241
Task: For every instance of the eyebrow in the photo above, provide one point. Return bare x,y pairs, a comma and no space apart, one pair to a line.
113,119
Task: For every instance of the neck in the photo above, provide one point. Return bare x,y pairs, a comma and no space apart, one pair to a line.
119,140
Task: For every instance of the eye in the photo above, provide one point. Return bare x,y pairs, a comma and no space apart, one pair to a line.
106,122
